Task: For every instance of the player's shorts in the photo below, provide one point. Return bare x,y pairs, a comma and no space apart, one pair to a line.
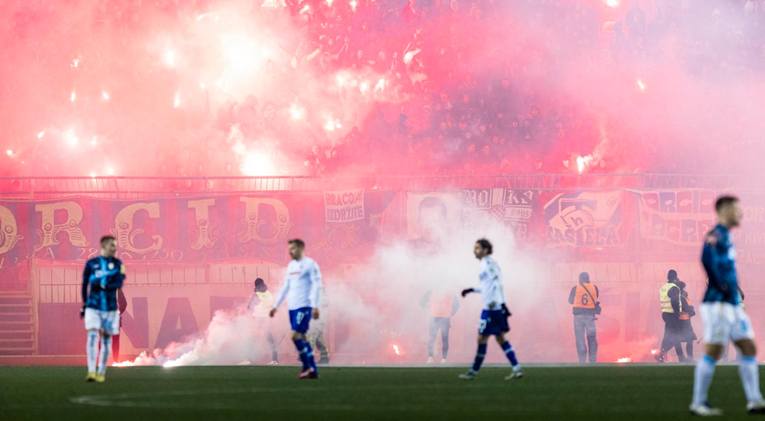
107,322
300,319
493,322
724,322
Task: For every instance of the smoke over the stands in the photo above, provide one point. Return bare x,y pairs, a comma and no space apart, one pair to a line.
236,87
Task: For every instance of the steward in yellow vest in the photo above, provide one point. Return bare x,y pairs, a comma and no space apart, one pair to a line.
671,309
260,305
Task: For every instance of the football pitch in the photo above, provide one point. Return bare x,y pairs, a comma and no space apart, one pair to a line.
629,392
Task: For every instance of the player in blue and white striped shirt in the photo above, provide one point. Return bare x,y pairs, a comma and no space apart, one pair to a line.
302,288
101,279
495,313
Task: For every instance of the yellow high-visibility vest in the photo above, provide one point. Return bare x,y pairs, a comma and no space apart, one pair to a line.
666,302
265,304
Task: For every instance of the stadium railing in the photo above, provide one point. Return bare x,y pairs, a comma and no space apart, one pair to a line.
137,187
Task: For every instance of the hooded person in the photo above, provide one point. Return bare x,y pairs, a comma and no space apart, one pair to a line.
260,305
687,334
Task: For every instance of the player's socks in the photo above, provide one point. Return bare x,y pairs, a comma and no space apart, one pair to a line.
510,353
92,350
300,345
310,357
103,357
750,377
705,371
479,356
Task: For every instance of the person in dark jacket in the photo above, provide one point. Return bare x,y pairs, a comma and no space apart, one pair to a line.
687,335
671,307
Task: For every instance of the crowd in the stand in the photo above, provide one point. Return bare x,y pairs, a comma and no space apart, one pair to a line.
433,87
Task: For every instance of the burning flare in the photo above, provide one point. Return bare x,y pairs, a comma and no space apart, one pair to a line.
395,348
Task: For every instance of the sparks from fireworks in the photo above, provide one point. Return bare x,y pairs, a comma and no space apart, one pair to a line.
105,95
329,3
241,52
256,164
9,152
408,57
640,84
73,96
170,58
332,124
582,162
75,63
305,9
41,134
296,112
612,3
395,348
71,138
353,5
239,148
170,364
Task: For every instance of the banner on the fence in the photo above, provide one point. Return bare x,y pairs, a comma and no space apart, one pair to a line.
676,217
515,209
431,214
586,220
344,206
749,239
192,229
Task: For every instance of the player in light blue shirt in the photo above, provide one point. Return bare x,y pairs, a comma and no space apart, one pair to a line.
495,313
302,289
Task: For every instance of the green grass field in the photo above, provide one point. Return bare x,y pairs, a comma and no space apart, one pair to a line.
630,392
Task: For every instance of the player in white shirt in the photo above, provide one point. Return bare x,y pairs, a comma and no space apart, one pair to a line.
302,288
495,313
